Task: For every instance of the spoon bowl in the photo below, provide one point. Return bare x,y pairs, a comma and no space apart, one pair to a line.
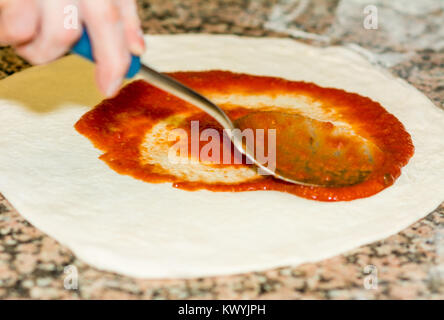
312,152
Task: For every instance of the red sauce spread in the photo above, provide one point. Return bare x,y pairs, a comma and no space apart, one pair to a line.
118,127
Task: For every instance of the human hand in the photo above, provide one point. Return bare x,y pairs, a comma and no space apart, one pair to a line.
35,28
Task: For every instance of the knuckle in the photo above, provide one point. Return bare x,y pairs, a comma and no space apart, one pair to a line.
66,37
111,13
36,55
11,37
25,34
37,58
5,38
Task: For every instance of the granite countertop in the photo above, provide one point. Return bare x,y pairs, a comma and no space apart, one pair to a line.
409,264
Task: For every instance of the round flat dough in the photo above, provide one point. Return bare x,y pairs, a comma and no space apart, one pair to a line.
53,176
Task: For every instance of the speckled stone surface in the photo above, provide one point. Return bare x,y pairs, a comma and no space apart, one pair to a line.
408,265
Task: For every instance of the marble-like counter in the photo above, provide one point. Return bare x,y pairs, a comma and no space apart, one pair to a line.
409,264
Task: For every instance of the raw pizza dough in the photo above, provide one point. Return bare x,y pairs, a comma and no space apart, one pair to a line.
52,175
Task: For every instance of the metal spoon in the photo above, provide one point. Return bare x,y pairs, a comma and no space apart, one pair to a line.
290,129
288,168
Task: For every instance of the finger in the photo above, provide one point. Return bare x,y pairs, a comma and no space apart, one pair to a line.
18,21
132,26
103,20
54,37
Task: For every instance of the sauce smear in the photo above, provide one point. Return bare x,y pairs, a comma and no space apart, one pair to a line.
121,127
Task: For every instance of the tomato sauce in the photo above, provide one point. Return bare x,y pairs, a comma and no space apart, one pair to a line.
118,127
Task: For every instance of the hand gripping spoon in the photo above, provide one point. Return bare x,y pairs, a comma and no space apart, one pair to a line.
300,159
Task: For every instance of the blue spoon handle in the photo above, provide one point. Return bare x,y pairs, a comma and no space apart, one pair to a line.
84,49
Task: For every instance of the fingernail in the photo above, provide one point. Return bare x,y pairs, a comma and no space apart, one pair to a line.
113,88
138,47
140,34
